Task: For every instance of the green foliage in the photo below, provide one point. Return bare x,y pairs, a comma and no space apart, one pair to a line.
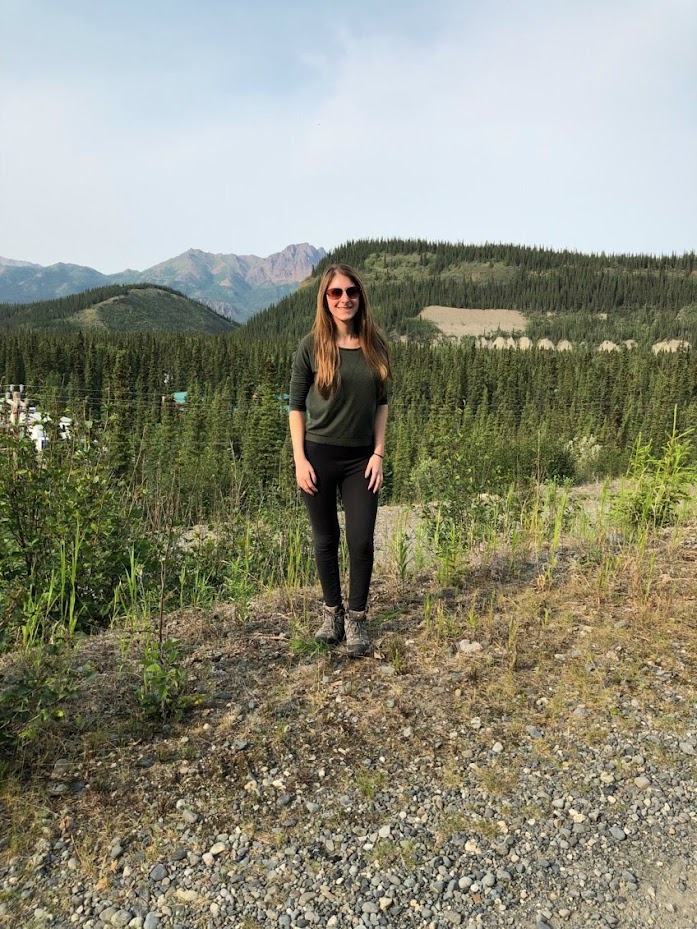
31,696
658,484
118,308
67,531
307,647
163,691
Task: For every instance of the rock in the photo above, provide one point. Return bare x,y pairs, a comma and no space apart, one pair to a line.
62,768
217,849
687,748
384,832
121,919
187,896
642,782
453,917
469,648
497,748
618,833
533,732
158,873
152,921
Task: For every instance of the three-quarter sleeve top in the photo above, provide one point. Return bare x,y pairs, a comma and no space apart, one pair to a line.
346,417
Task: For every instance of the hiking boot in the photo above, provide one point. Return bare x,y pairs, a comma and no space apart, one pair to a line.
357,641
331,632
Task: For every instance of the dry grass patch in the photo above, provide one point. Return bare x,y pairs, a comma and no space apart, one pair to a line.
459,321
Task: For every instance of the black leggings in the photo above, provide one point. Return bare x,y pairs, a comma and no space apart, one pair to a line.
340,468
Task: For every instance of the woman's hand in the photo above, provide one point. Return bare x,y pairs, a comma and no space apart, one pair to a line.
306,477
374,473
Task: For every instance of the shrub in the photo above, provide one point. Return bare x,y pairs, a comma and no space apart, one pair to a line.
67,533
658,484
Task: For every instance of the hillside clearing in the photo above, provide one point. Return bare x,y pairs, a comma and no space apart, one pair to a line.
458,321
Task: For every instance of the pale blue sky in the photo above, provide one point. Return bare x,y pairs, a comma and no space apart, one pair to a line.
130,132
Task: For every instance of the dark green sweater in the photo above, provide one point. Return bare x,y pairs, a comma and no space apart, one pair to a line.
344,418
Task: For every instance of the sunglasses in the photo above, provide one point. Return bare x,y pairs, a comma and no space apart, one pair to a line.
336,292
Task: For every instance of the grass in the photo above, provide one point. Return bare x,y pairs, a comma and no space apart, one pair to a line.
608,615
370,783
389,853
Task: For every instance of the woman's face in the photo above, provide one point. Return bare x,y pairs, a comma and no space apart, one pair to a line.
343,308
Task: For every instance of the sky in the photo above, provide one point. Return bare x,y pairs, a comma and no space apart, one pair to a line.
132,131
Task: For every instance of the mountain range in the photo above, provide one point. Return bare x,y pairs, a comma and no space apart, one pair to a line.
236,286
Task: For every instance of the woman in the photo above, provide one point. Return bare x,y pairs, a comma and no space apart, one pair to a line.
340,378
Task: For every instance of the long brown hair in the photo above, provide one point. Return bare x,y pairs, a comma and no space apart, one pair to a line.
371,339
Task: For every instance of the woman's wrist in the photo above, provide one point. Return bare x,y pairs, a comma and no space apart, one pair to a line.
378,454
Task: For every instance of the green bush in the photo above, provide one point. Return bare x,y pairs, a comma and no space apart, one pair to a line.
67,533
658,484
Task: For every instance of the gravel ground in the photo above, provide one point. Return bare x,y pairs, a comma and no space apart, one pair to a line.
412,789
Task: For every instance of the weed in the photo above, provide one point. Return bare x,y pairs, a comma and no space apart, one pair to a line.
395,650
387,853
658,484
163,691
305,647
33,697
401,548
370,783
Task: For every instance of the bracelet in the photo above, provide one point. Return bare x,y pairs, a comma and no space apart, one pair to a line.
378,454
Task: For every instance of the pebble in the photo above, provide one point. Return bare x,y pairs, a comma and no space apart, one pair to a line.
445,840
121,918
158,873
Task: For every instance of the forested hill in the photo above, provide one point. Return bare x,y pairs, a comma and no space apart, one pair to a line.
563,294
133,308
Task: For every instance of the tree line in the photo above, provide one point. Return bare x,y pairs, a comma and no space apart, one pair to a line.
565,294
492,416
